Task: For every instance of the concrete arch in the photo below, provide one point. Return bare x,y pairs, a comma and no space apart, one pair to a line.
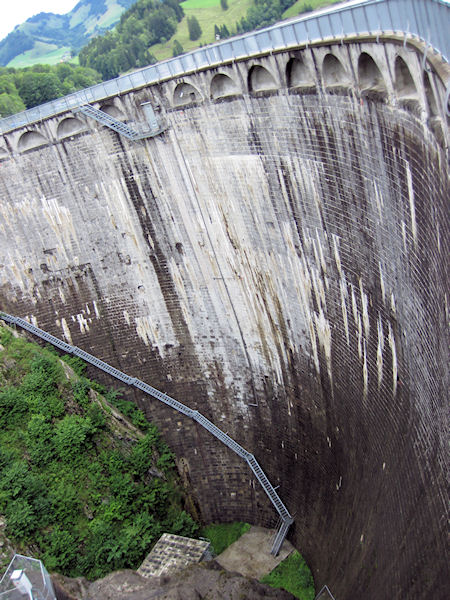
112,111
186,93
30,140
333,73
403,82
370,78
429,96
260,79
68,127
223,85
298,74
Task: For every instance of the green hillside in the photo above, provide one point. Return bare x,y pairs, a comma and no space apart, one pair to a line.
303,6
151,31
42,53
46,36
208,13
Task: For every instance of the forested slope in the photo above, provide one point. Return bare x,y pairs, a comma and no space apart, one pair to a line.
45,33
86,483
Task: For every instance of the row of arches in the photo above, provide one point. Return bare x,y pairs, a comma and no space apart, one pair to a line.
66,128
298,75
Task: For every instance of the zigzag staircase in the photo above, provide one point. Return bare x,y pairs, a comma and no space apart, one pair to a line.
119,126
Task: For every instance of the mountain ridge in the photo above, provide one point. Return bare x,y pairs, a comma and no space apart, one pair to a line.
48,32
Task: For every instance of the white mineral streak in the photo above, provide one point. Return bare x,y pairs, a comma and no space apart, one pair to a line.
319,290
324,334
316,252
360,337
393,307
97,313
382,286
60,221
411,203
405,247
337,257
118,205
344,296
354,306
378,200
177,279
83,323
380,348
323,264
365,372
365,310
394,359
312,335
149,332
34,321
66,331
126,317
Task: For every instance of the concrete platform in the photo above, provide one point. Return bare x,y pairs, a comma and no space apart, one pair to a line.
250,554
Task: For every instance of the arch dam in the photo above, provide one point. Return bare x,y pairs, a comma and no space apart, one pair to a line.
264,237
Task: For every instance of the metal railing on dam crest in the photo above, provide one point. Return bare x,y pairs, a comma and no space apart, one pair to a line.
421,19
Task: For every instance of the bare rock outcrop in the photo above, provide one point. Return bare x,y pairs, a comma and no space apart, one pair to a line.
205,581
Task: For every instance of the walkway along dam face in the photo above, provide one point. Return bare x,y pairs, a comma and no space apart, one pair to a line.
275,259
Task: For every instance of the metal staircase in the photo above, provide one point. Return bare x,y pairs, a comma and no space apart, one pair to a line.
141,132
285,518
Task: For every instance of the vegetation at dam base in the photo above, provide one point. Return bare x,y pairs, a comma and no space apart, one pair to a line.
80,487
222,535
292,574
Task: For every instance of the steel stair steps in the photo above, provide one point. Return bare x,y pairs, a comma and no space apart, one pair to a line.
119,126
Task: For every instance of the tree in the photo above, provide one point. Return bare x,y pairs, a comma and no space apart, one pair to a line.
177,48
224,4
37,88
7,84
195,31
176,7
161,26
224,33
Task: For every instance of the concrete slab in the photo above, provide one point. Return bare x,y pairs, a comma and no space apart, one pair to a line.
172,553
250,554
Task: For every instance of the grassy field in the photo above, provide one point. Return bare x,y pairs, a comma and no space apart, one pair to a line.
43,53
294,576
300,6
222,535
208,13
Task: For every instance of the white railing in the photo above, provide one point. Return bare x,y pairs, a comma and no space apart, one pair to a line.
423,19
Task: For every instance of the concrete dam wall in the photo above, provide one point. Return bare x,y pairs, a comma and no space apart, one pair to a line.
276,259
